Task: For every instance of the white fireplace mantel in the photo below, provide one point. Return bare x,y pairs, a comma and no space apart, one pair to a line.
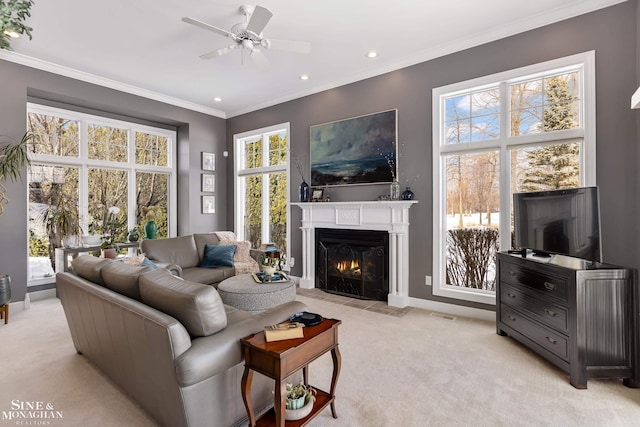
391,216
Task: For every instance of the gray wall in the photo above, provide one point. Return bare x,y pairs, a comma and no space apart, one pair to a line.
610,32
196,132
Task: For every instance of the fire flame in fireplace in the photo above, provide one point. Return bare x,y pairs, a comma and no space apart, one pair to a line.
350,266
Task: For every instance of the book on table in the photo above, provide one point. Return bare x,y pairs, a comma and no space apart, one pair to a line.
283,331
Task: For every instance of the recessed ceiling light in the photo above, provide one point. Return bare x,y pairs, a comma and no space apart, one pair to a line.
304,77
12,34
217,99
372,54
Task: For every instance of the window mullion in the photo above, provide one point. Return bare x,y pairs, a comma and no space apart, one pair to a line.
505,168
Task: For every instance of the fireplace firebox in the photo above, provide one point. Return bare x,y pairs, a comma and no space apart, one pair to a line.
353,262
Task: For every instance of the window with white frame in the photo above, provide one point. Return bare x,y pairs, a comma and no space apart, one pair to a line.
84,165
528,129
262,186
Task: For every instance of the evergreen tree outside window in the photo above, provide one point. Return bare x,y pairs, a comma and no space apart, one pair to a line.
522,130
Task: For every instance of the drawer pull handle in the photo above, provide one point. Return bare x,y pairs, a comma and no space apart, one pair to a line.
550,286
510,317
551,340
510,295
511,273
550,312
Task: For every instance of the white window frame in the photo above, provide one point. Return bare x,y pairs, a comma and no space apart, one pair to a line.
83,163
585,62
240,172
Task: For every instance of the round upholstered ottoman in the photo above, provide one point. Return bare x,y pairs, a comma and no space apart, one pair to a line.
243,292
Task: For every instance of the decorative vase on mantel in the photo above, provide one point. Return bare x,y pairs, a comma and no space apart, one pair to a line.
304,191
407,194
150,229
395,190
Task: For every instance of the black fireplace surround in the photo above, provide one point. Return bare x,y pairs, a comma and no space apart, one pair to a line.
354,263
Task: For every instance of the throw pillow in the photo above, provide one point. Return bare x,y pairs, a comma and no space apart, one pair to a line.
218,256
140,261
146,262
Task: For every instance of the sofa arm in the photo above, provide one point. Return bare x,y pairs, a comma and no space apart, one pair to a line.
174,269
257,254
211,355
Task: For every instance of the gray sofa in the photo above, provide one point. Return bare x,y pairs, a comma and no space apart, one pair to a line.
183,256
169,343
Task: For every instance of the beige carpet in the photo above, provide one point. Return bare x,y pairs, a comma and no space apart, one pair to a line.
415,370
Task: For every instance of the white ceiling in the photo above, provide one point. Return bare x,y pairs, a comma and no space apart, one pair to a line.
142,46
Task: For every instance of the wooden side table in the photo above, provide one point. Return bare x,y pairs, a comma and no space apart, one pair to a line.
281,359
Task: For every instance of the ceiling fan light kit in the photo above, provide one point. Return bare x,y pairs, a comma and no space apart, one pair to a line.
248,36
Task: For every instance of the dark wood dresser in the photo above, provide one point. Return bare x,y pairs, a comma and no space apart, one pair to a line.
580,316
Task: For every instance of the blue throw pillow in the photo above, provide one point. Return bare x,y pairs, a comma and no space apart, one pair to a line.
146,262
218,256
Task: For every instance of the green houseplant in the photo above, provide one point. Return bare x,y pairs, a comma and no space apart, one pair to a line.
13,13
299,401
13,158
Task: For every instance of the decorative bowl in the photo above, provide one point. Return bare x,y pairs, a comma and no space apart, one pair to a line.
91,240
298,414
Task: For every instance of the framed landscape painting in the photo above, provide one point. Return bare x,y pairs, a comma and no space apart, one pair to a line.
360,150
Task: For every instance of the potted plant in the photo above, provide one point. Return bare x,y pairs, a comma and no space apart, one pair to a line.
133,235
272,262
13,14
13,158
299,401
111,229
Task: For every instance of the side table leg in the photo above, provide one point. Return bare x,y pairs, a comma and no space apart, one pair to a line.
245,385
279,401
337,362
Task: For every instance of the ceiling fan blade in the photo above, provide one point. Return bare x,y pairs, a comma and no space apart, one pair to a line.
259,19
207,27
217,52
290,46
260,59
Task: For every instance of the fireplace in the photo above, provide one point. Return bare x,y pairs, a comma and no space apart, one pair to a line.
391,217
353,262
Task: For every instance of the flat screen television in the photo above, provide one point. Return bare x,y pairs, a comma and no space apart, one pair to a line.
563,222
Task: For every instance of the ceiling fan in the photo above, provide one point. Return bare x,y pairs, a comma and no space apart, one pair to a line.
248,36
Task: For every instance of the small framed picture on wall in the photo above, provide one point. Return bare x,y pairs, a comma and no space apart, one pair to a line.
208,161
208,183
208,204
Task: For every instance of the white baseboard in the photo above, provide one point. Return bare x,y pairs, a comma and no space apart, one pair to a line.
452,309
33,296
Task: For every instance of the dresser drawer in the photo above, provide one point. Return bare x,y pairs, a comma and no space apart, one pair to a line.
553,315
551,285
539,334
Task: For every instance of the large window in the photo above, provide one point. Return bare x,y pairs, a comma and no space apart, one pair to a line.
85,164
262,186
523,130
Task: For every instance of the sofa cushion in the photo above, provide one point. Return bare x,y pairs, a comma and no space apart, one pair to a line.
201,239
218,256
88,267
123,278
198,307
208,276
176,250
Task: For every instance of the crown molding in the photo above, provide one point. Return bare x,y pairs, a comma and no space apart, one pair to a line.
61,70
494,34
